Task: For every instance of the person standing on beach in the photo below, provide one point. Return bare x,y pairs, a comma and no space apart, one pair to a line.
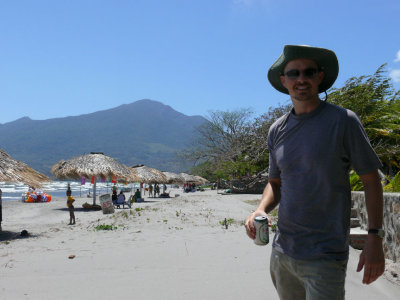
311,150
69,192
71,208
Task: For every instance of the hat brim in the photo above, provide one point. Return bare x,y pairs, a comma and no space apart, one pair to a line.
325,58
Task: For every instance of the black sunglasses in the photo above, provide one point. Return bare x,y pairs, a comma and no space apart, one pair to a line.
309,73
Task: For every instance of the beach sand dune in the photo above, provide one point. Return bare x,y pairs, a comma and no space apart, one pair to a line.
172,248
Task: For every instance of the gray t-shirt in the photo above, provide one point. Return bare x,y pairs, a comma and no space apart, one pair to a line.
312,155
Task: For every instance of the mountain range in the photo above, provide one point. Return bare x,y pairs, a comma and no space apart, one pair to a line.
143,132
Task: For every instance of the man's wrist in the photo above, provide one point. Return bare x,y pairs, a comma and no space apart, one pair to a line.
376,232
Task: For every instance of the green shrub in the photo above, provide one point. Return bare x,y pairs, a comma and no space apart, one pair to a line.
394,184
105,227
355,182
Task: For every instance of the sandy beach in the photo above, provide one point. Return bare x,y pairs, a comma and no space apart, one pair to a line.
171,248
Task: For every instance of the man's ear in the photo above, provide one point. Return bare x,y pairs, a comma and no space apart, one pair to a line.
283,80
321,76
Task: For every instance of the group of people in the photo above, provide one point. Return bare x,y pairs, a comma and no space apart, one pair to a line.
120,198
155,191
190,187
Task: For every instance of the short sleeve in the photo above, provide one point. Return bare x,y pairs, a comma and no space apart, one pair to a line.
274,171
357,145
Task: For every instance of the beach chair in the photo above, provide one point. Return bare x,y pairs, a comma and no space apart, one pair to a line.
121,201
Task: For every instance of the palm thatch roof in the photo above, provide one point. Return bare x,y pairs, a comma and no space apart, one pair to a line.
189,178
149,175
12,170
173,178
201,180
93,164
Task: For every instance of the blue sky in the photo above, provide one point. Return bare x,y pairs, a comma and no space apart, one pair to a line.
66,58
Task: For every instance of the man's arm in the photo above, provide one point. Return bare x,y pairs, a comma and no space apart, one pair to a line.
372,258
270,199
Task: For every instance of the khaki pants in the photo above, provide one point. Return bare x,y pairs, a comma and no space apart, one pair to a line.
307,279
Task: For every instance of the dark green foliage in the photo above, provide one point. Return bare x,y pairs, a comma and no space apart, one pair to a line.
355,182
394,184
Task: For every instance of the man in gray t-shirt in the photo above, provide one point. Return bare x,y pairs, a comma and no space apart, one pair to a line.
312,149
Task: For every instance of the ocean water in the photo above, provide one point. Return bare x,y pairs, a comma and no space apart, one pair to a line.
12,192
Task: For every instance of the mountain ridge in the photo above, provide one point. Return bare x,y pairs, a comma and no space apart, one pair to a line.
142,132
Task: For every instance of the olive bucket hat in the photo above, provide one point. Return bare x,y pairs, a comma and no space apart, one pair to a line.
325,58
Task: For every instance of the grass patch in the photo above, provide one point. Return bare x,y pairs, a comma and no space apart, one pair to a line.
105,227
273,213
227,221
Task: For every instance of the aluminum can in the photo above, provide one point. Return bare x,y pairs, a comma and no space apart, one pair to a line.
262,231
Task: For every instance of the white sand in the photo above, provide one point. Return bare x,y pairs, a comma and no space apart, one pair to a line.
175,249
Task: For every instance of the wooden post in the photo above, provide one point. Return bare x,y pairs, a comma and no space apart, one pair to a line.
94,192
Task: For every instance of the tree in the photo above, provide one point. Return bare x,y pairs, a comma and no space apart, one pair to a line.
377,104
219,148
231,145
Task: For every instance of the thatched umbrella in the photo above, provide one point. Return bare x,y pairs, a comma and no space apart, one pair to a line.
201,180
173,178
94,164
189,178
149,175
12,170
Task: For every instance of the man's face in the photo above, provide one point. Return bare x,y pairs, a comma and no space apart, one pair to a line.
302,79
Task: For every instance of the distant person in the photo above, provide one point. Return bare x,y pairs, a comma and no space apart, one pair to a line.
137,195
70,206
69,192
150,190
164,188
156,190
121,198
114,197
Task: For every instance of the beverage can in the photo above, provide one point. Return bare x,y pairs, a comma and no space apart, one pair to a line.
262,231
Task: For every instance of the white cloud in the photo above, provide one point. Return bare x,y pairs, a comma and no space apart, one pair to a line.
397,59
395,75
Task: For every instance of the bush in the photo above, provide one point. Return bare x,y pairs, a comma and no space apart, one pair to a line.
355,182
394,184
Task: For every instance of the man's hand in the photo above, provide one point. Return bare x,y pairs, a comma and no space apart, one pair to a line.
372,259
250,229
